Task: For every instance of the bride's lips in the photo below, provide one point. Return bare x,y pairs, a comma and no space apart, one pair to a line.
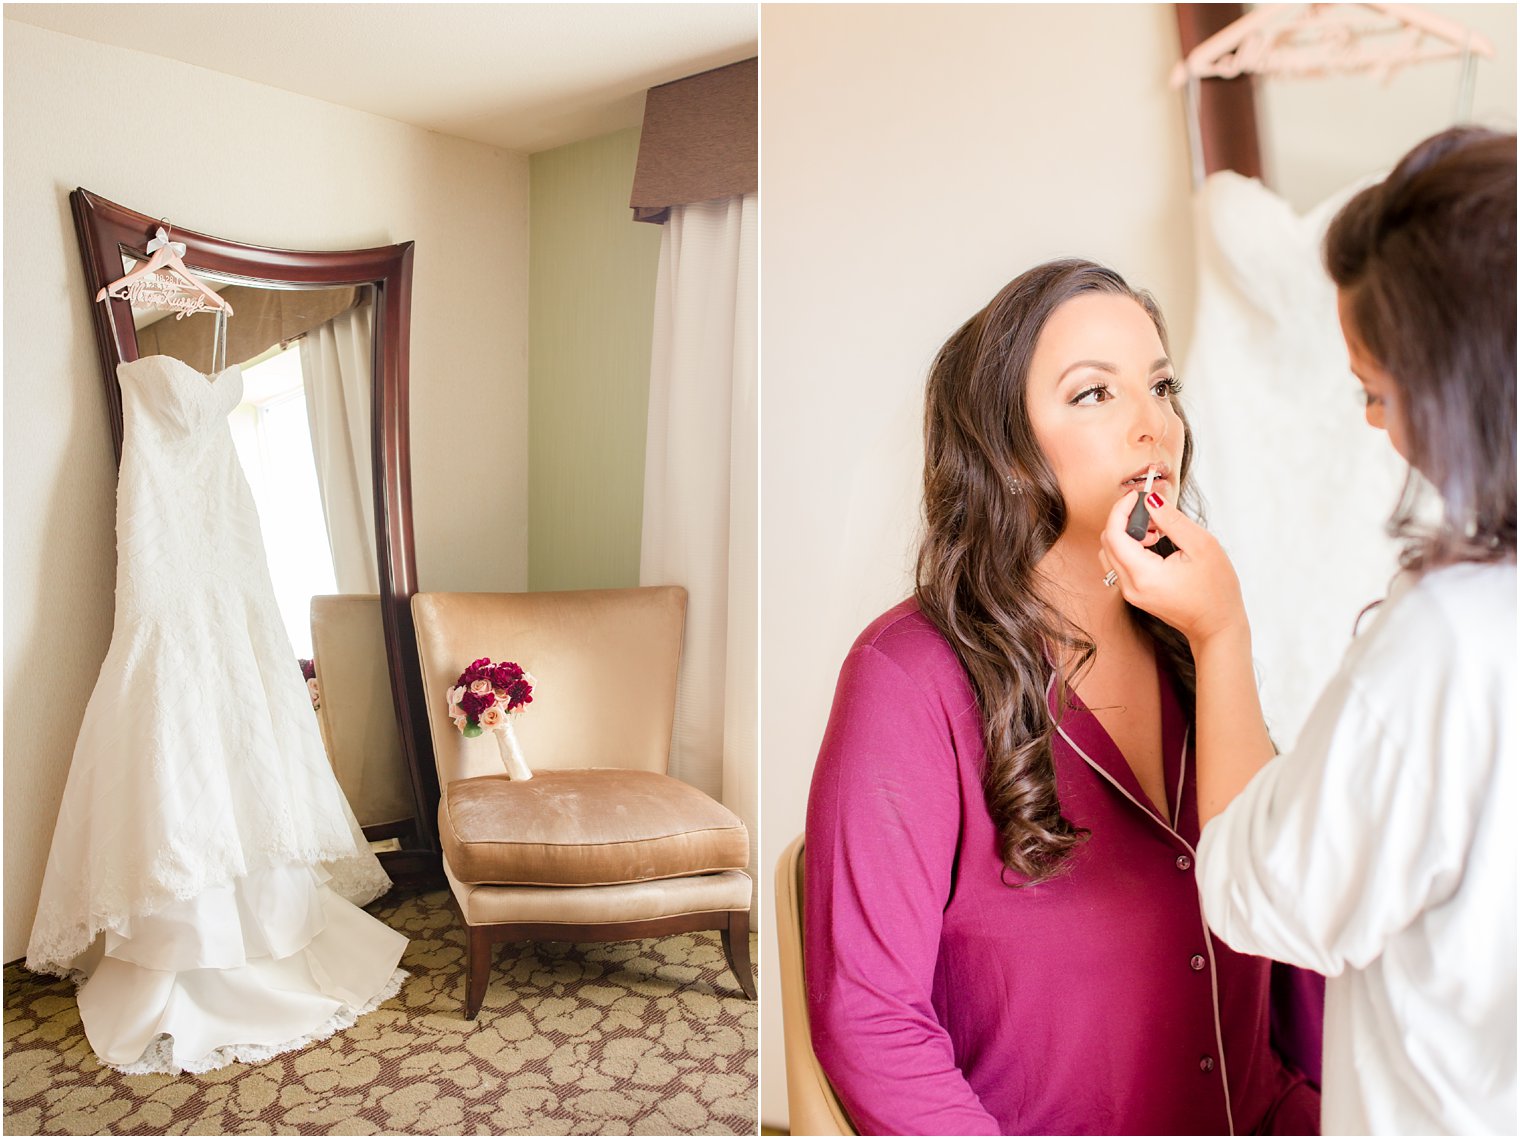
1138,526
1136,481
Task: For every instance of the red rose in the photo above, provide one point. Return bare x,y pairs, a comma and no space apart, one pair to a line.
472,704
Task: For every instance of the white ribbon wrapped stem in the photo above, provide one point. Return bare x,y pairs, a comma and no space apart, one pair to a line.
512,753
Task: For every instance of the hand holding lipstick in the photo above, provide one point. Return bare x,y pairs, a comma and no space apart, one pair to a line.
1195,590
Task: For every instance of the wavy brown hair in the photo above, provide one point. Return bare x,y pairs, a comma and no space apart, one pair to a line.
977,563
1426,263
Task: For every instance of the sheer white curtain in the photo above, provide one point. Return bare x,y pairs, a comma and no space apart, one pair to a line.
701,490
336,361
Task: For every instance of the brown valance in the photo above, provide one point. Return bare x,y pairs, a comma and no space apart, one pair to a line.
700,141
262,318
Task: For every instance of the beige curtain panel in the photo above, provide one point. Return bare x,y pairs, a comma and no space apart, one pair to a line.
264,317
700,141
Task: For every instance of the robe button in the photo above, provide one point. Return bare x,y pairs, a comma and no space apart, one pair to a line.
1206,1063
1184,862
1197,962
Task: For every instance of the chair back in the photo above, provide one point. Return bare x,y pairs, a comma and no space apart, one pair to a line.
811,1103
358,714
605,663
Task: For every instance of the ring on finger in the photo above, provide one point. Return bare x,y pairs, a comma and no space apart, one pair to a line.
1110,577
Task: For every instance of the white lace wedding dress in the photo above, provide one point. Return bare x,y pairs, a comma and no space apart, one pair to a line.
205,869
1297,486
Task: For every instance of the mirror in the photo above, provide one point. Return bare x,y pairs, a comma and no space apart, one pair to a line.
322,338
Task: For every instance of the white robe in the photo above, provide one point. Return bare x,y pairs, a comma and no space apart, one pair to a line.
1381,852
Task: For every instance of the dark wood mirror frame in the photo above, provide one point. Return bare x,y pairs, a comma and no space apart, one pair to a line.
105,229
1227,110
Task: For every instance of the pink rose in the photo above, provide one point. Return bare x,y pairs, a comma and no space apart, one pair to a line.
492,718
480,687
461,721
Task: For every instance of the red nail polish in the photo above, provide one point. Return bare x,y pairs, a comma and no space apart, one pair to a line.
1153,500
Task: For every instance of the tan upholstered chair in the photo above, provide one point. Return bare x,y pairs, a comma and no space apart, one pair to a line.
811,1102
601,844
357,716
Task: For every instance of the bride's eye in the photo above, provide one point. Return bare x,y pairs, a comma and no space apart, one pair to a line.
1098,393
1167,388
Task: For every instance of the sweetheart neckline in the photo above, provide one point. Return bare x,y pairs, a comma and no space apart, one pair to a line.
210,378
1313,214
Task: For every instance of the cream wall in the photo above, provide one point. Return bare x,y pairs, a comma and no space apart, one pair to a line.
591,319
229,157
915,159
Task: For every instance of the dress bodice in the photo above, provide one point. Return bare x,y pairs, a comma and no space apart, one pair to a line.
1254,242
170,395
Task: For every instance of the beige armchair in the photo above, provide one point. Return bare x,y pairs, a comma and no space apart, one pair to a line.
357,716
811,1102
601,844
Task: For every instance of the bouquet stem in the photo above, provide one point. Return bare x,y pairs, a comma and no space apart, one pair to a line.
512,754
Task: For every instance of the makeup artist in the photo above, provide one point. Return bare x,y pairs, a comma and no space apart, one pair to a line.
1381,849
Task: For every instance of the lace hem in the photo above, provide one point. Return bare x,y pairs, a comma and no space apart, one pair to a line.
50,968
158,1058
355,875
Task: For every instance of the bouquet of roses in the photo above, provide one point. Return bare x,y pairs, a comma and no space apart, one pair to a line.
487,693
484,698
309,671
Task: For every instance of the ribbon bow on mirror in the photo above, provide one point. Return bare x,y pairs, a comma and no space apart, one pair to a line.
161,241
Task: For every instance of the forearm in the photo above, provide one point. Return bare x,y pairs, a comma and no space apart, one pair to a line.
893,1068
1231,733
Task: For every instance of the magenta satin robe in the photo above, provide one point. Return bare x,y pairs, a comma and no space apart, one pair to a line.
945,1002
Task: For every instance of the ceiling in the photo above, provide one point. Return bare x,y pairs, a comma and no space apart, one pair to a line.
523,77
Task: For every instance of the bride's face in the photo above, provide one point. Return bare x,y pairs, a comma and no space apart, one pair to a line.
1100,401
1384,409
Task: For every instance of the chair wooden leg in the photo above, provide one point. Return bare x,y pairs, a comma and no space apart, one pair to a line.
736,949
477,969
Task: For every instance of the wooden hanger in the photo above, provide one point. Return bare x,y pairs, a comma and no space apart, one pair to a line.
1325,39
165,255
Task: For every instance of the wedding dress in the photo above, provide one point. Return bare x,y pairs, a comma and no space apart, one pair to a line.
206,871
1297,486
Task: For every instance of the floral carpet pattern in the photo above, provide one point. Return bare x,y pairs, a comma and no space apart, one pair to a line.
617,1038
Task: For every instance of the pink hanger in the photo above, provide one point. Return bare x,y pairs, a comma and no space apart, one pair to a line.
1320,39
165,254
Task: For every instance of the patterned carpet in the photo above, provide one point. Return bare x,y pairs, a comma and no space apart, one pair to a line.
619,1038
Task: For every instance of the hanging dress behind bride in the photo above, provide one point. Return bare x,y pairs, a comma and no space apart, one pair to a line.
206,871
1297,486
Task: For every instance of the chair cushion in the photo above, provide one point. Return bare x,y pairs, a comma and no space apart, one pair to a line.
585,827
